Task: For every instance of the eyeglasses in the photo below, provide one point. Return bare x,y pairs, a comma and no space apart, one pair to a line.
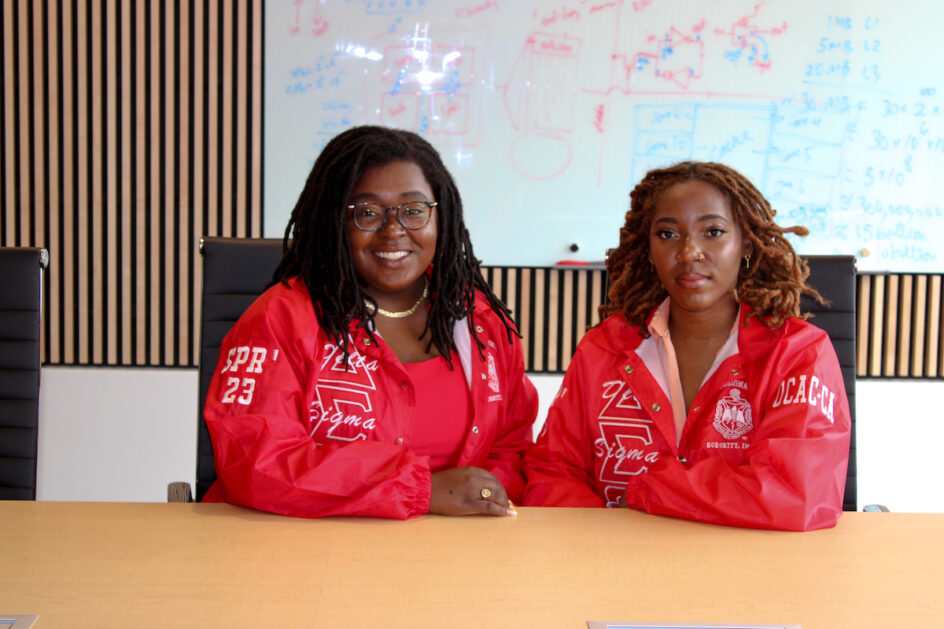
371,217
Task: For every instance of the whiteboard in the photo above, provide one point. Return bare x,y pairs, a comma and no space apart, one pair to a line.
548,113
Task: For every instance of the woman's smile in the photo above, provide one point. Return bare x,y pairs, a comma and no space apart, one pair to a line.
392,256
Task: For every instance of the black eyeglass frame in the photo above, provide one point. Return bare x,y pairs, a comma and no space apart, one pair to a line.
386,211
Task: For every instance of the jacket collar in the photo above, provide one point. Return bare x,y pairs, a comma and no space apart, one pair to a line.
755,339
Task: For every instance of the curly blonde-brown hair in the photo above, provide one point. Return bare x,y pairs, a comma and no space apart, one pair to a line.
772,285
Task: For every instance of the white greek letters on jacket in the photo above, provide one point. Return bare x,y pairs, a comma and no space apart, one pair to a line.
625,444
342,409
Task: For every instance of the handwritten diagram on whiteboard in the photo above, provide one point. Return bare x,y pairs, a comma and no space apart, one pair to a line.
548,113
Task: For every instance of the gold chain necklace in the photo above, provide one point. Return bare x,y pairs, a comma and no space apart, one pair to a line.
403,313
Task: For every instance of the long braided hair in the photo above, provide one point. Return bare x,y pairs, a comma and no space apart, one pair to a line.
772,285
315,247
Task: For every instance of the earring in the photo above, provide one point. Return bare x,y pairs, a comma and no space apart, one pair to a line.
747,261
652,267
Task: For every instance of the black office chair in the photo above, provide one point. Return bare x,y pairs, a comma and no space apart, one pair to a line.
235,272
20,316
835,279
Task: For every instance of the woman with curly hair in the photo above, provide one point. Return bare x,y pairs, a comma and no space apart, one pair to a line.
703,394
378,375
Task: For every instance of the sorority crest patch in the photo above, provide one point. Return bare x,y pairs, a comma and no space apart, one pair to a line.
492,374
733,416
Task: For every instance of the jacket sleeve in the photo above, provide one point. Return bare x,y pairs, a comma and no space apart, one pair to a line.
505,459
256,412
795,472
560,466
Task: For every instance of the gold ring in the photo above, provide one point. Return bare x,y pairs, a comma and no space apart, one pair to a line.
485,493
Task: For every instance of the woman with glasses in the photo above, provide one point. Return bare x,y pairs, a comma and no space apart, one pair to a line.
704,394
378,375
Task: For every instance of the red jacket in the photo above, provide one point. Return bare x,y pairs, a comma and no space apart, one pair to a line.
765,443
294,432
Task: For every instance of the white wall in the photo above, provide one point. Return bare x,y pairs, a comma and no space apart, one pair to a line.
123,434
115,434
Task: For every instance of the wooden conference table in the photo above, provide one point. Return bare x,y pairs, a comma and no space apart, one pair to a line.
209,565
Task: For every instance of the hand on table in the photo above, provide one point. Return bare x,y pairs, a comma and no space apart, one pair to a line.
468,491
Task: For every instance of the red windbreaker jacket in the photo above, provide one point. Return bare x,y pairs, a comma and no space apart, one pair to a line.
297,432
765,443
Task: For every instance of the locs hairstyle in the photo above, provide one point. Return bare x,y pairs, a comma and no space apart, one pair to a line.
772,285
315,247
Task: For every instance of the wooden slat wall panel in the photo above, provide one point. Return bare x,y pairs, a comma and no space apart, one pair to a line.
552,307
874,333
919,331
128,130
899,322
933,347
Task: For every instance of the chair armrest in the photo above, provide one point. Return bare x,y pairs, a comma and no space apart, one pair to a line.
179,492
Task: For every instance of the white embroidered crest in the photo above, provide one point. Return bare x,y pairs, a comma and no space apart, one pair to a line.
492,375
733,416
